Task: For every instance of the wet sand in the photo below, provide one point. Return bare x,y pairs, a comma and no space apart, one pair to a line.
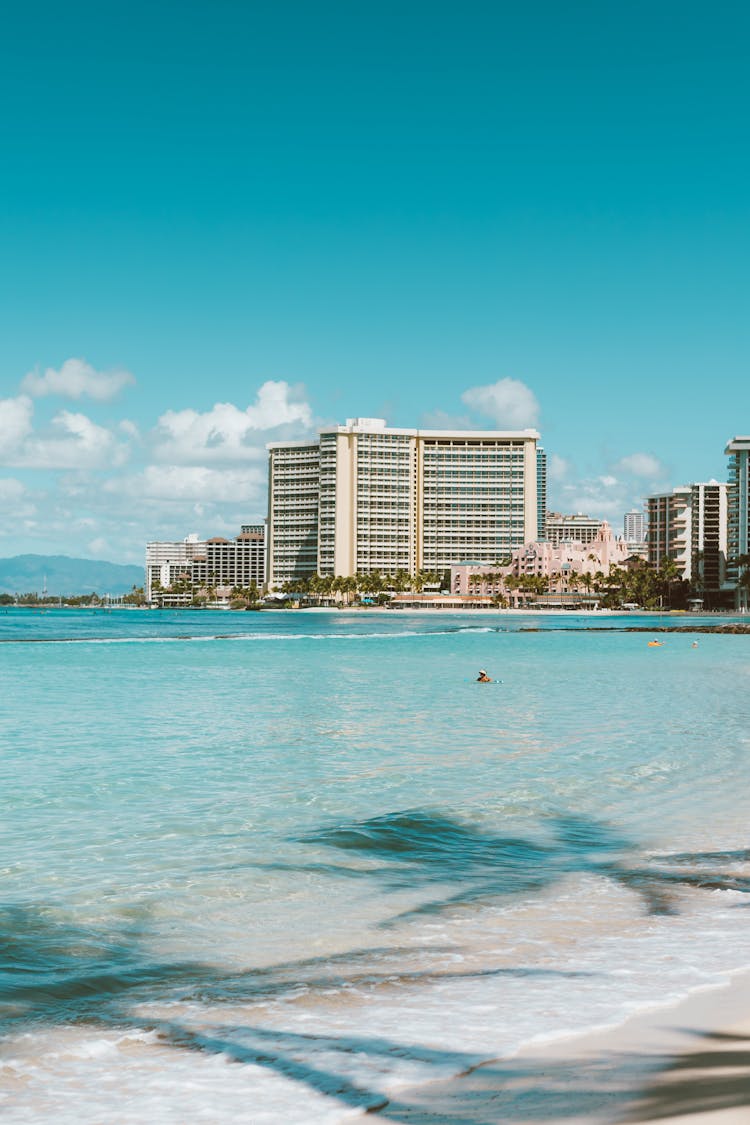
686,1064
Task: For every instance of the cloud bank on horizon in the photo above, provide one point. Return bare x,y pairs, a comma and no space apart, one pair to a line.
102,487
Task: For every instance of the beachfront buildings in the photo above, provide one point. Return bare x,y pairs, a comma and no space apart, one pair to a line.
215,564
167,562
738,451
562,563
668,532
709,536
689,525
365,497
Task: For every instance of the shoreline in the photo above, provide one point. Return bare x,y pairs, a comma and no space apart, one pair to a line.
687,1062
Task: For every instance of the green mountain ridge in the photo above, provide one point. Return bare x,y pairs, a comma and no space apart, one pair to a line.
63,576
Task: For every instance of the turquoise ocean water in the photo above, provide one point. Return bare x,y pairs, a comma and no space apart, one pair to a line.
279,867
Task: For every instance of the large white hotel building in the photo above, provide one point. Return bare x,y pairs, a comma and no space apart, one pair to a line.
364,497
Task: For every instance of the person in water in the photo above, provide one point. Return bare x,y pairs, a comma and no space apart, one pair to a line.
483,678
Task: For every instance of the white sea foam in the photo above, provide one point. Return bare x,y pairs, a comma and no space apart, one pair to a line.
208,637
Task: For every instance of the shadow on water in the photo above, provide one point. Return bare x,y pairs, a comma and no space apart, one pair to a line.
55,973
418,849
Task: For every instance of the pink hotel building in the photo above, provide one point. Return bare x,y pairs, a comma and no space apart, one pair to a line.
546,559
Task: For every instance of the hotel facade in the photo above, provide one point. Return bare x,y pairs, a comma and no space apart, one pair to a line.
738,451
215,563
690,525
365,497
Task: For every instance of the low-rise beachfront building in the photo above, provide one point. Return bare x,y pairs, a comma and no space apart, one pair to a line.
234,562
167,562
215,565
441,601
738,518
562,564
575,557
576,528
366,497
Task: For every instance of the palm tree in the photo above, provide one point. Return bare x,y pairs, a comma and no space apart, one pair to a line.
669,572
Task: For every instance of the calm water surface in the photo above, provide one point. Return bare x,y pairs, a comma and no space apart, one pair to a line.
274,867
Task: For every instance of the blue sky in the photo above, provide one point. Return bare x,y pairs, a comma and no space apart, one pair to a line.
501,213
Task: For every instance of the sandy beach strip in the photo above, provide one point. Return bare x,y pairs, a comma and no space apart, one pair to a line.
688,1063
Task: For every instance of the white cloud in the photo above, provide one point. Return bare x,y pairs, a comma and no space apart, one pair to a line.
15,423
16,503
227,434
509,403
11,490
593,498
641,465
197,484
608,481
82,445
73,442
76,378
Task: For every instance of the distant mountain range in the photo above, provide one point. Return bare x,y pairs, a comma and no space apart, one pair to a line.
27,574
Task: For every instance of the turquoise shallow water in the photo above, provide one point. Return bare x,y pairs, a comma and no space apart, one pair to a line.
310,844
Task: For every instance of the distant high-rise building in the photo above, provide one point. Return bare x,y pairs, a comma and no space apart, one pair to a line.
541,492
366,497
634,528
571,529
738,534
